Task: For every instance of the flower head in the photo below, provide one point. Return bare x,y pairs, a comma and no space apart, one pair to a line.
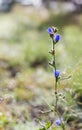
57,37
57,73
58,122
50,30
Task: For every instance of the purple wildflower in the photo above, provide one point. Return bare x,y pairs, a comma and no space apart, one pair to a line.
58,122
57,73
50,30
57,37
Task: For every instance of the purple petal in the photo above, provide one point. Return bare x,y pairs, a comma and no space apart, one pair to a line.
57,37
57,73
58,122
50,30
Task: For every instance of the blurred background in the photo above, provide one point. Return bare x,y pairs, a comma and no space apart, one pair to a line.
26,80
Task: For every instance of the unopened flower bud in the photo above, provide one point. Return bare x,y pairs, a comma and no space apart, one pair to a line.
57,38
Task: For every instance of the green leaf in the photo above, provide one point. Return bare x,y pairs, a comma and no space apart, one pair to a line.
43,128
48,124
54,129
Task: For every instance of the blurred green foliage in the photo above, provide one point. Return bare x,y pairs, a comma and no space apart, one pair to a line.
24,72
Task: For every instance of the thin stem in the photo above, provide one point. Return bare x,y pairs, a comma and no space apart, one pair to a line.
46,112
55,89
54,64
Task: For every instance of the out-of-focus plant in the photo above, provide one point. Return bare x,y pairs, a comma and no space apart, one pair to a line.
3,121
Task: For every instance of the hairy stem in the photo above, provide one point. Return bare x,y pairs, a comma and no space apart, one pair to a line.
55,89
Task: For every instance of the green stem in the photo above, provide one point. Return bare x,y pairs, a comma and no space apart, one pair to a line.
54,64
55,89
